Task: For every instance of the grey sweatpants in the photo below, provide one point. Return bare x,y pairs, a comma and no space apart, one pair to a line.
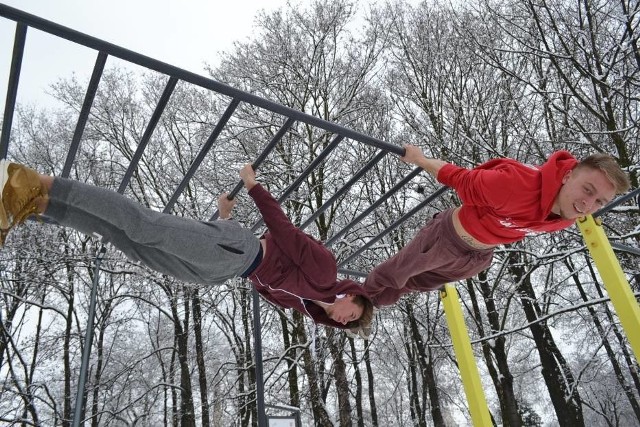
187,249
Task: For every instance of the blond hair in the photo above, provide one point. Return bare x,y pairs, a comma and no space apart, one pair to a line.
367,313
610,167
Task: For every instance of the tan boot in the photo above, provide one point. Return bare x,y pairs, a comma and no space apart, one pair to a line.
20,196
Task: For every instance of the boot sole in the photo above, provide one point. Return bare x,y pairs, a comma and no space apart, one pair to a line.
4,177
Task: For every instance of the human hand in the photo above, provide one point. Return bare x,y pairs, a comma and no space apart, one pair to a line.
248,176
413,155
225,206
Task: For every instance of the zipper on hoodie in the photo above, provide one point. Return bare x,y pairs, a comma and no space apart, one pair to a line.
287,292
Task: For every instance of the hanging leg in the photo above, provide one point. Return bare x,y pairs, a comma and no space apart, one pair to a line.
190,250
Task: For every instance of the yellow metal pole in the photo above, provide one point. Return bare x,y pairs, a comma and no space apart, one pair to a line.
614,279
464,354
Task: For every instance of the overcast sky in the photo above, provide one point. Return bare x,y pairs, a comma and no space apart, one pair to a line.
185,33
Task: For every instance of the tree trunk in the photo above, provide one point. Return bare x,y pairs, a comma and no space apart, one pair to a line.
320,416
187,411
336,347
202,369
557,375
95,407
249,361
426,368
499,372
12,306
358,378
413,388
172,377
289,339
66,352
371,382
613,358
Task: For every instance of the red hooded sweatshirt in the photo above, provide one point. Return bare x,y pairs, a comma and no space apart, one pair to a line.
504,201
296,268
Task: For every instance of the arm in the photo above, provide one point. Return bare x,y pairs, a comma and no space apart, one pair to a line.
248,176
483,186
414,156
491,184
311,256
225,206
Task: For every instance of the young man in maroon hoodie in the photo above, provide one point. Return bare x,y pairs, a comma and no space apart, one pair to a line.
288,267
503,201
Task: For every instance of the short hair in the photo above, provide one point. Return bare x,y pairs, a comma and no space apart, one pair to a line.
367,313
610,167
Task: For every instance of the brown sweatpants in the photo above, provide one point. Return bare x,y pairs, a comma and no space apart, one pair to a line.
435,256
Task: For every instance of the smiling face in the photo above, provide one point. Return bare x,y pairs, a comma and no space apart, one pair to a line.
584,190
344,310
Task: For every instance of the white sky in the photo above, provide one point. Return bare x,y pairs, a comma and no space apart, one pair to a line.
184,33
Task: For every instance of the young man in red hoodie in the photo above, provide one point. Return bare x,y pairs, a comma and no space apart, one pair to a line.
503,201
288,267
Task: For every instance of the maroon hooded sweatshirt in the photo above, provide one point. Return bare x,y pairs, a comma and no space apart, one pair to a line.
296,268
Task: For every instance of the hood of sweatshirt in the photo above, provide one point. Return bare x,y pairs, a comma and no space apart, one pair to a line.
552,171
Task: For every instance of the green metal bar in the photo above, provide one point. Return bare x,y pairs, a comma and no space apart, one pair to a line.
478,407
615,281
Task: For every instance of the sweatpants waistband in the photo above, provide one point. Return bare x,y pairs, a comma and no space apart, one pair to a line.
452,235
256,262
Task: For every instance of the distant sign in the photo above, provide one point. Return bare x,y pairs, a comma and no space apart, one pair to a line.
282,421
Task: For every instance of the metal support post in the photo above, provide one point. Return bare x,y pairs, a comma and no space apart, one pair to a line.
257,337
478,407
613,278
78,414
